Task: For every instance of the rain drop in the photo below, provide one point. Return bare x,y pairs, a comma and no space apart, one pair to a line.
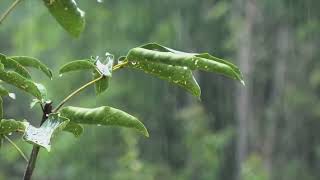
98,124
12,95
60,75
133,63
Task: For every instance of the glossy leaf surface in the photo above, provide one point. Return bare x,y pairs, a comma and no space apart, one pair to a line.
68,15
101,85
10,125
181,76
10,64
77,65
103,116
160,54
20,82
34,63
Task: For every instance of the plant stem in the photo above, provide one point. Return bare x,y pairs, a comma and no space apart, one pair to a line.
5,14
76,92
35,150
47,109
114,68
17,148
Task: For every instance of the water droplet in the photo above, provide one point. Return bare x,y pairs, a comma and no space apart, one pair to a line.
100,1
133,63
185,67
12,95
10,134
242,82
98,124
66,9
206,67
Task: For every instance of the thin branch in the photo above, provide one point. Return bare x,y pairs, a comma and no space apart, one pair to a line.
17,148
114,68
5,14
76,92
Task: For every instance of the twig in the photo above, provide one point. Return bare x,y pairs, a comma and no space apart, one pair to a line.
17,148
76,92
5,14
116,67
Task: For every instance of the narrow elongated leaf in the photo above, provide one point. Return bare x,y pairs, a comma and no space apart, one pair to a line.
181,76
32,62
68,15
77,65
10,125
103,116
42,136
74,128
160,54
20,82
101,85
10,64
157,47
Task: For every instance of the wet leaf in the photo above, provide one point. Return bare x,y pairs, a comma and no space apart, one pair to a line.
68,15
10,64
74,128
205,62
32,62
77,65
20,82
3,91
105,115
181,76
43,91
10,125
42,136
101,85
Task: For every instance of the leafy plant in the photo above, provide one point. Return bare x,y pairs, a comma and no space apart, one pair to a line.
159,61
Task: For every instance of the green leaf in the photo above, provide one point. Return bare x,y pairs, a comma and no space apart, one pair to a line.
181,76
42,136
68,15
3,91
20,82
74,128
8,126
160,54
10,64
77,65
32,62
43,91
101,85
103,116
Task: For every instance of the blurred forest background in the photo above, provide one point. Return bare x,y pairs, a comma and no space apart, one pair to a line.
268,130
